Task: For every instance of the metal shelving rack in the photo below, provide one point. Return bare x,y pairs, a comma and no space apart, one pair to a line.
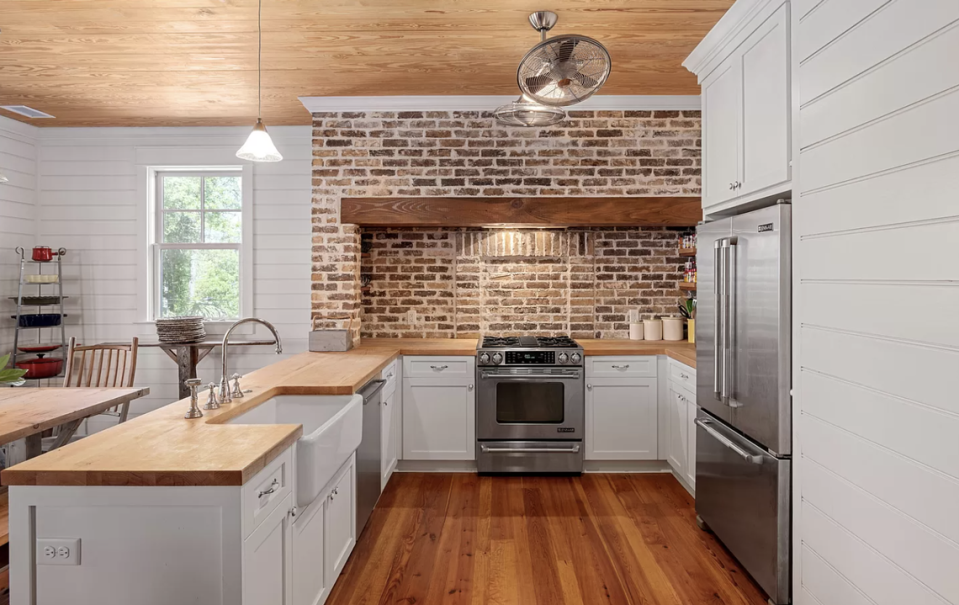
24,263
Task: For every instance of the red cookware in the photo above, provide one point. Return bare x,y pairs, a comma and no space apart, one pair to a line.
43,253
39,348
41,368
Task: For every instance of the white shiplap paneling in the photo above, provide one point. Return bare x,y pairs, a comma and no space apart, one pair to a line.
18,213
89,203
876,215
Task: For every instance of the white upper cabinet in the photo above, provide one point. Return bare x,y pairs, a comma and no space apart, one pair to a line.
743,66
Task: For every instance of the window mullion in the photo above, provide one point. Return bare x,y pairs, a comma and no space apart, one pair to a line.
202,209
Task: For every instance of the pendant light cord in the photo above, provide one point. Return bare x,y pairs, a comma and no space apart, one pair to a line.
259,61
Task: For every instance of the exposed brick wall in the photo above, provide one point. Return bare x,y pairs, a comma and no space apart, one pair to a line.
467,282
459,287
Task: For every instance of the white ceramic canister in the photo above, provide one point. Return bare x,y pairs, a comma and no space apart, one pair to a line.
673,328
653,329
636,331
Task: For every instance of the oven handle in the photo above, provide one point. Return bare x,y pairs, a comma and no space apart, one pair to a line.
571,375
529,450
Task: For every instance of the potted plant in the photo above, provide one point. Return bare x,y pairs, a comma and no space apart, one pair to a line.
10,376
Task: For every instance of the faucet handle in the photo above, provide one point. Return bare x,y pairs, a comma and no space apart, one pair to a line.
237,391
211,402
194,411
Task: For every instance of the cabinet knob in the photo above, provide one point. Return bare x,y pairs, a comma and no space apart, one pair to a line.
589,387
471,387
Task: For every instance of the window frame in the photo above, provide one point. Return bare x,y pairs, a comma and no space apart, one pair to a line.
154,234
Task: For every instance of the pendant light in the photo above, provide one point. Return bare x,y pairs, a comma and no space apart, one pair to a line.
259,146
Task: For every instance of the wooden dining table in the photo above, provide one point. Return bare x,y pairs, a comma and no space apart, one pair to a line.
25,413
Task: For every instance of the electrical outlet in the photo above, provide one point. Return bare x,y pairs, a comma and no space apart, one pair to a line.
58,551
411,317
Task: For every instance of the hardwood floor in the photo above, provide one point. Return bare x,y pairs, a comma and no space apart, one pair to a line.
461,538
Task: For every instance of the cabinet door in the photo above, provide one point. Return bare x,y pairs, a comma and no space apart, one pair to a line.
439,420
677,432
722,109
766,101
691,442
388,434
267,554
309,584
340,525
621,419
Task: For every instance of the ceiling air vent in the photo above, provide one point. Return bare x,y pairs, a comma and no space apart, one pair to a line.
26,111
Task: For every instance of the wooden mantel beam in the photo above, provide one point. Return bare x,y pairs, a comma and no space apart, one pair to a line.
521,211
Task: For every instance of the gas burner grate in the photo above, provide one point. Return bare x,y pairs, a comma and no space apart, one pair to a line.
500,341
556,342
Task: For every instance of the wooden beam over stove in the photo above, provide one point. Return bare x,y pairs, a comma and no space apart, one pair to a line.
521,211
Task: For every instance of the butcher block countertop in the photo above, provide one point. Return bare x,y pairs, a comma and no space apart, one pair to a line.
162,448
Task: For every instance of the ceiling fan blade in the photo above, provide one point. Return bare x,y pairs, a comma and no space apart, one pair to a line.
585,81
537,83
566,49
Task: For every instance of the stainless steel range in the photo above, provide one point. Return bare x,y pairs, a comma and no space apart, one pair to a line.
529,405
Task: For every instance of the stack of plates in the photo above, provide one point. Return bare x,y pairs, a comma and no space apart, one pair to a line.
180,329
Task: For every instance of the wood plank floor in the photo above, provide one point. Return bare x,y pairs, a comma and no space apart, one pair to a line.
465,539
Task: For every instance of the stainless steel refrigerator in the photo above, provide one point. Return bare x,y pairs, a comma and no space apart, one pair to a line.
744,429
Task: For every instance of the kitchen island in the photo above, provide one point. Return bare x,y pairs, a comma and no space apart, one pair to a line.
210,508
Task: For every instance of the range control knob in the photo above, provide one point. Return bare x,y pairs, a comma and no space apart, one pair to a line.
497,358
563,357
576,357
484,358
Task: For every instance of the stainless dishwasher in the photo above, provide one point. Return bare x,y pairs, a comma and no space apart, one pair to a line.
368,486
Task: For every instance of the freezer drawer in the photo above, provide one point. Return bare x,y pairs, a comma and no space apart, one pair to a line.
743,493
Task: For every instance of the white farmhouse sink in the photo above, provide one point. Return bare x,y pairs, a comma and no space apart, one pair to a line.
332,430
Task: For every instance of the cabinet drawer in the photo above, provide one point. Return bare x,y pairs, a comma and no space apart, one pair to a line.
644,366
439,367
682,375
266,490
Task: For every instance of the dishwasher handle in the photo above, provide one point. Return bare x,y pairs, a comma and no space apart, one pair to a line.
370,389
751,458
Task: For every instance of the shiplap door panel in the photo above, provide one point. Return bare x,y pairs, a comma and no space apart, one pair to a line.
931,189
911,429
883,473
830,21
882,581
889,31
801,8
920,132
888,310
822,582
869,97
872,255
919,551
920,373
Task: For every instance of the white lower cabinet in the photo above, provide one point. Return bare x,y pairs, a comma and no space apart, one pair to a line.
267,557
439,408
389,436
681,422
323,536
621,409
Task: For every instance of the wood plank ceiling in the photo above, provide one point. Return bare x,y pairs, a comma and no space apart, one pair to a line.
193,62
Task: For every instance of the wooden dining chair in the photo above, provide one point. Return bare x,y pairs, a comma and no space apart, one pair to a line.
102,366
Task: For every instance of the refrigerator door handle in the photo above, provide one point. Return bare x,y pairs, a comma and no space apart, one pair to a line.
729,322
717,318
751,458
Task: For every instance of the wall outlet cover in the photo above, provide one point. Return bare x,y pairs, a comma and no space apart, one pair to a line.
58,551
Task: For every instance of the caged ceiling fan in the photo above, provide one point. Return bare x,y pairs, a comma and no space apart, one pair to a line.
557,72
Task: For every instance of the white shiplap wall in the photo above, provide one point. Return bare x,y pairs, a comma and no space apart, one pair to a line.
876,220
89,203
18,213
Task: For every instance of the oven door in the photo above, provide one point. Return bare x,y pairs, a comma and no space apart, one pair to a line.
530,404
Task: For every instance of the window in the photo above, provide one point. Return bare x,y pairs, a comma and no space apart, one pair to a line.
198,240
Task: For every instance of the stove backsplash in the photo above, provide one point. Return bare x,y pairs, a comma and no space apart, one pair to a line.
457,283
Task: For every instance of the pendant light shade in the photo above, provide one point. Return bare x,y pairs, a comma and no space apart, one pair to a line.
259,146
3,178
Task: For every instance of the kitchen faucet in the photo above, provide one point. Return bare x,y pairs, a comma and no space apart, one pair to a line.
224,377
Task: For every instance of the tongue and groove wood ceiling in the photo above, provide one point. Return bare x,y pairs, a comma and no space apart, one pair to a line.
193,62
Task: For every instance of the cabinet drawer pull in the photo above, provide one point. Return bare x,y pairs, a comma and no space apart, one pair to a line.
622,367
683,376
270,490
438,368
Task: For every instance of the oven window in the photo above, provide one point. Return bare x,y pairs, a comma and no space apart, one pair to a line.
529,403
